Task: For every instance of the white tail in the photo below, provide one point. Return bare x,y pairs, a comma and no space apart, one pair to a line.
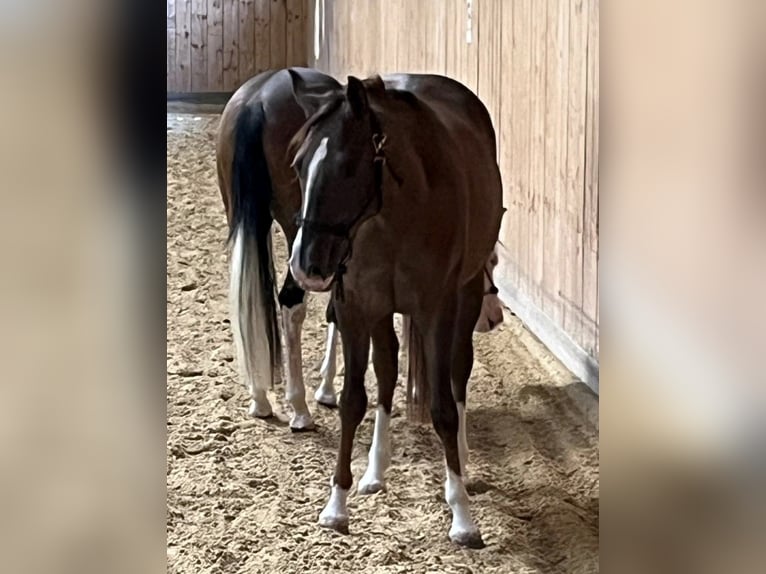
248,313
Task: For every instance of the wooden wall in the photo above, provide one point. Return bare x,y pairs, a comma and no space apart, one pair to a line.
216,45
535,66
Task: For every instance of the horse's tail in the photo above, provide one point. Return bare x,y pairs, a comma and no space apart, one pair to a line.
252,281
418,391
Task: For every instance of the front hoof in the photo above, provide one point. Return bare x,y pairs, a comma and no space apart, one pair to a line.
326,399
467,538
336,522
260,411
302,423
370,486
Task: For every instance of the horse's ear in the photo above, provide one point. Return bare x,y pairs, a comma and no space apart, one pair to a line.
312,95
356,94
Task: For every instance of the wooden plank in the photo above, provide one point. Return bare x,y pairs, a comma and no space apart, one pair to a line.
490,59
278,34
387,35
468,52
536,190
452,31
230,44
573,260
246,46
372,47
590,212
183,46
520,111
261,36
505,130
171,46
434,16
215,45
555,154
199,45
296,33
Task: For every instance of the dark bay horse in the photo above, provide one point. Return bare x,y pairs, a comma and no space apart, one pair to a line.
258,186
402,202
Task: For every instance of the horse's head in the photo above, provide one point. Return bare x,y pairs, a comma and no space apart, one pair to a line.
491,306
336,164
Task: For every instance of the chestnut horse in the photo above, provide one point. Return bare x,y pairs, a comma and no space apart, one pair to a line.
258,186
402,202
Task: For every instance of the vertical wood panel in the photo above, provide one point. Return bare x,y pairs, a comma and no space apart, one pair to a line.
520,129
278,33
171,47
215,45
199,45
262,36
296,33
555,153
246,40
590,231
183,45
230,44
536,240
573,260
490,59
505,132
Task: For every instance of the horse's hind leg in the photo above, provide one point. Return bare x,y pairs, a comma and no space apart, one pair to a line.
385,348
353,404
292,300
444,414
325,393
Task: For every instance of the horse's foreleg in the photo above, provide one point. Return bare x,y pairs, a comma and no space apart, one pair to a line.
469,307
292,300
385,348
446,421
353,404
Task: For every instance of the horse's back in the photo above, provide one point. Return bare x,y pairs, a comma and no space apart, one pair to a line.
471,149
272,90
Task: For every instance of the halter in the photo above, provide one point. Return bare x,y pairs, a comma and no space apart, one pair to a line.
343,230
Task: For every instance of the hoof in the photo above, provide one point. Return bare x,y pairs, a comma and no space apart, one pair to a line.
260,411
333,521
328,400
370,486
467,538
302,423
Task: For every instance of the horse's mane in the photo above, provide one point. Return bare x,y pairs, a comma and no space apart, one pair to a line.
374,85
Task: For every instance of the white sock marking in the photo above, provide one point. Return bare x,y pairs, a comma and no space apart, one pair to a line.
380,455
316,159
325,394
335,513
292,323
457,498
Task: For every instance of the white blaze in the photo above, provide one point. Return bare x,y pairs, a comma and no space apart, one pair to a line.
316,159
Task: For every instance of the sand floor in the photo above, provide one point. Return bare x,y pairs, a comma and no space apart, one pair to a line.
244,495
